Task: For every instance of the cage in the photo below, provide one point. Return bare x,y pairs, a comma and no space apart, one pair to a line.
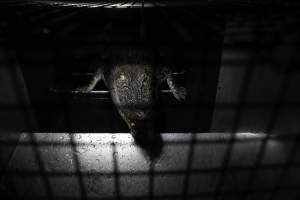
236,135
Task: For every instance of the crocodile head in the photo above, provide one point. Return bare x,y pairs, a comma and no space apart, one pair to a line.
132,91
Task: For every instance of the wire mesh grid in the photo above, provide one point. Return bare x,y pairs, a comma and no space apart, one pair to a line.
264,175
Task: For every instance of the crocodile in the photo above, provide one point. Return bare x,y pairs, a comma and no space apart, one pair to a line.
133,79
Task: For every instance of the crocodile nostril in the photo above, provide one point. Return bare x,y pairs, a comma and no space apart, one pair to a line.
140,114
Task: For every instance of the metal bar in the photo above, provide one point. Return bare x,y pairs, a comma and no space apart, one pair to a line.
72,142
189,169
211,170
116,171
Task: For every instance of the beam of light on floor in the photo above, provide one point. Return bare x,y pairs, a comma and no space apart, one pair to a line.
97,155
104,138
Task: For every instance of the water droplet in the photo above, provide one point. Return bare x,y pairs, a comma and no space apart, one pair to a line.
82,149
78,137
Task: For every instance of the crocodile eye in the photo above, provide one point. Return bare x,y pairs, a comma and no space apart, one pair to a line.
122,77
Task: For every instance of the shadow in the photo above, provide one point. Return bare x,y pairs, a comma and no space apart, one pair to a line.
150,142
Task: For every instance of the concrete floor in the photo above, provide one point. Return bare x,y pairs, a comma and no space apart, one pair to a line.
108,166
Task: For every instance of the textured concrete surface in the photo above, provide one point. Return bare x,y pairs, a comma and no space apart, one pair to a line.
108,166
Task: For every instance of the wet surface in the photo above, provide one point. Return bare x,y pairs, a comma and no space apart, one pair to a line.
62,166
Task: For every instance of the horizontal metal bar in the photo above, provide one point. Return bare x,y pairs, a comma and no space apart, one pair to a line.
32,173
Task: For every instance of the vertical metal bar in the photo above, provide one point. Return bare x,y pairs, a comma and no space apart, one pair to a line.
115,160
75,157
189,166
77,166
116,171
151,179
143,38
72,143
42,168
